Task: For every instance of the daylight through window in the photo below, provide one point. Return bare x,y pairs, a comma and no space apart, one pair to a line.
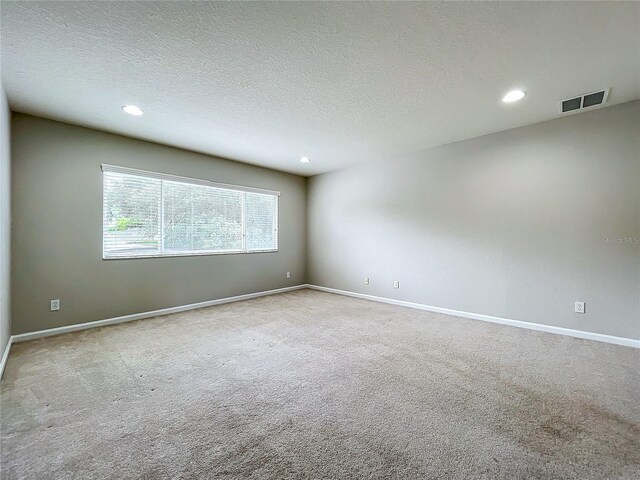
148,214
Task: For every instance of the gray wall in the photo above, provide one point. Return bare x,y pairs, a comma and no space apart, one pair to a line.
57,230
5,221
518,224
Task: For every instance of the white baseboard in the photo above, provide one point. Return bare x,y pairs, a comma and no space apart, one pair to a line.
5,356
23,337
627,342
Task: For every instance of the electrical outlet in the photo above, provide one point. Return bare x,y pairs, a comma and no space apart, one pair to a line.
288,274
55,305
396,284
579,307
366,280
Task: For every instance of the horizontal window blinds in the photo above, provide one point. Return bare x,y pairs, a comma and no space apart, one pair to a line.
261,213
149,214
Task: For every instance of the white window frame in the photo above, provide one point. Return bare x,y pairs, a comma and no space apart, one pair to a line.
192,181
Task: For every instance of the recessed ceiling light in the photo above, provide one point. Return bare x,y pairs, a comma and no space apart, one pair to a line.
132,110
304,160
513,96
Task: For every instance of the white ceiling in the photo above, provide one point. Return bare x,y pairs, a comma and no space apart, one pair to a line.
266,83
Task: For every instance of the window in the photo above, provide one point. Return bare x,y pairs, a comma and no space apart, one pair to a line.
148,214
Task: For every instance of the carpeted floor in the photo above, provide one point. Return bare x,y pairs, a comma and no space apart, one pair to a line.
319,386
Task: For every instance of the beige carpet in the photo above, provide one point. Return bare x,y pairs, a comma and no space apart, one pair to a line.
313,385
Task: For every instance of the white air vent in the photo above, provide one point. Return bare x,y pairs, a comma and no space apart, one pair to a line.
584,101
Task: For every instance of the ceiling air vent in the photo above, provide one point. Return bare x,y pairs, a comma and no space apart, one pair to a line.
586,100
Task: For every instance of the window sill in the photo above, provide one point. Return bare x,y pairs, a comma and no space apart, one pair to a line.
187,254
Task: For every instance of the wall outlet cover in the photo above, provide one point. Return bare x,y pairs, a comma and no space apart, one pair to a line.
396,284
55,305
366,280
579,307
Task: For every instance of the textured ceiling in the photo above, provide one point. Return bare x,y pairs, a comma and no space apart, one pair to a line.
266,83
